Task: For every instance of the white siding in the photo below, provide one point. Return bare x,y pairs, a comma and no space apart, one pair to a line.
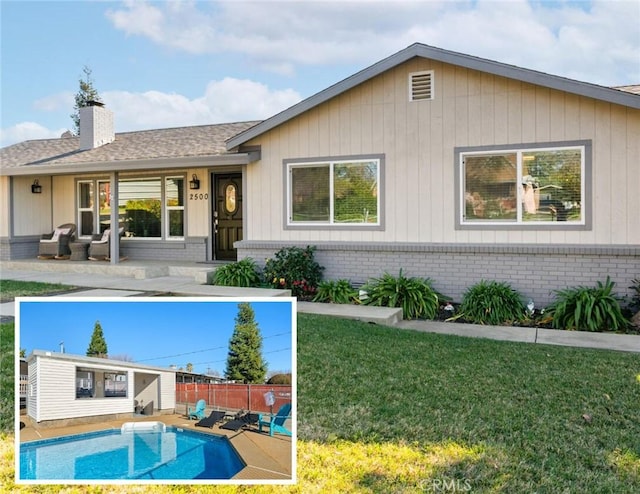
57,393
167,391
418,140
32,391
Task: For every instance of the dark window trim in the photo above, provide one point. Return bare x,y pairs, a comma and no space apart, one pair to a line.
588,189
335,227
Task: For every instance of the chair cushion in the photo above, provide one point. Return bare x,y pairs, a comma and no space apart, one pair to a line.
57,232
104,239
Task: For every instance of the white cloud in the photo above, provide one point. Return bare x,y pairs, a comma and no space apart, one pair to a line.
228,100
595,41
25,131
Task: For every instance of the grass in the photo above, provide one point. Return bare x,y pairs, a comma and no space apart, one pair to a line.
10,289
387,410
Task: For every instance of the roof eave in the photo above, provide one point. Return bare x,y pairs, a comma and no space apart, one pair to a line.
446,56
132,165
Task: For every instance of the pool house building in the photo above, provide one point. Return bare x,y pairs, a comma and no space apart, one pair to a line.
64,388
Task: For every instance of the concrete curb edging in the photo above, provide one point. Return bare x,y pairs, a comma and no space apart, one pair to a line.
393,317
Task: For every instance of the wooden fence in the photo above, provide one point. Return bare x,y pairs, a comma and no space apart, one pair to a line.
233,396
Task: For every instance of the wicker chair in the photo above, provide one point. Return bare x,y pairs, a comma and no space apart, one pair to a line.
100,246
56,243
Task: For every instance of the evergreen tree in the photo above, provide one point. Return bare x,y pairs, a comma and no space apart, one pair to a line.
244,360
85,94
98,345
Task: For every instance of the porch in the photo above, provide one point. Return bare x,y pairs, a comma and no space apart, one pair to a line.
131,277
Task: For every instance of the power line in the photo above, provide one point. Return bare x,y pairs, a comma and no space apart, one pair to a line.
206,349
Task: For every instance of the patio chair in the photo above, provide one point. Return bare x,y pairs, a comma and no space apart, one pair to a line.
56,243
100,246
242,420
276,422
213,418
198,411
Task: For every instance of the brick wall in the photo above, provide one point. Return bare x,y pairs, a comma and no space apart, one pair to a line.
534,271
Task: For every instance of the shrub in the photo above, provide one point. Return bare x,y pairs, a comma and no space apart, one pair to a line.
491,302
242,273
634,300
280,379
588,309
415,296
294,268
336,292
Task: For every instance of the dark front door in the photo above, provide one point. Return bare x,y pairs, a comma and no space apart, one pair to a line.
227,214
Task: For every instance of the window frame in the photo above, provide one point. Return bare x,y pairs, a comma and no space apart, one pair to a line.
289,164
164,214
519,150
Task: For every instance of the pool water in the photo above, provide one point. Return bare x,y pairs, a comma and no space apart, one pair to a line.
112,455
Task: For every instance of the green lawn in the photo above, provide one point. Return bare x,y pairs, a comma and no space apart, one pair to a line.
388,410
10,289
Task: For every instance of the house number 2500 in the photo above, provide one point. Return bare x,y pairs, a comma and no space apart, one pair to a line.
198,197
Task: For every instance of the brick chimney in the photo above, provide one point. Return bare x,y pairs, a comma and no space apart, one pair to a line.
96,126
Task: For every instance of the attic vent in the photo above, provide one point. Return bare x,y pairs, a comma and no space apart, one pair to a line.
421,85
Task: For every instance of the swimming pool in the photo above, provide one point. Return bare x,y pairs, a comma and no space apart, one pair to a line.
175,454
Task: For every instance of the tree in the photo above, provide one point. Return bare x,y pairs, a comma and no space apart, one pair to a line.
244,360
189,367
85,94
98,345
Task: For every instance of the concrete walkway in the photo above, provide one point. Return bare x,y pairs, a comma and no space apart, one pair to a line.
181,281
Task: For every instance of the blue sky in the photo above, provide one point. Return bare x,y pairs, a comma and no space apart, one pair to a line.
156,331
177,63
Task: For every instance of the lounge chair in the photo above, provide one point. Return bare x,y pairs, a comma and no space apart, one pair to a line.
242,420
100,246
56,243
213,418
276,422
198,411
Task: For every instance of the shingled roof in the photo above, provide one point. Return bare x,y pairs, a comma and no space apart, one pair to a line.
141,146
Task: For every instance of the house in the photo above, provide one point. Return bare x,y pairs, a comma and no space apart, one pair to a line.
442,164
65,387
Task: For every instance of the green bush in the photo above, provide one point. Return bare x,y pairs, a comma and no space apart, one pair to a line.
491,302
415,296
295,269
280,379
242,273
588,309
336,292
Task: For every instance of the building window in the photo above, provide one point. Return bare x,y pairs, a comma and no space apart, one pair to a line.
174,193
85,384
340,193
537,185
148,207
115,384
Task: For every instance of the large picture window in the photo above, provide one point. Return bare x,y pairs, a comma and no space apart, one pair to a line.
148,207
337,193
534,185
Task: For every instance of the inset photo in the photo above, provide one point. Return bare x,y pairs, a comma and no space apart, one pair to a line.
155,390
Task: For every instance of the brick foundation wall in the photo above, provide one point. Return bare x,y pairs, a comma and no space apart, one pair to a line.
534,271
21,248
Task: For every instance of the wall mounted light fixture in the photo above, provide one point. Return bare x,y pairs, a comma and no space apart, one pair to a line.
36,188
194,183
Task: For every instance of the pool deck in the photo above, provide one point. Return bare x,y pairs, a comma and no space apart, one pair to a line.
266,458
